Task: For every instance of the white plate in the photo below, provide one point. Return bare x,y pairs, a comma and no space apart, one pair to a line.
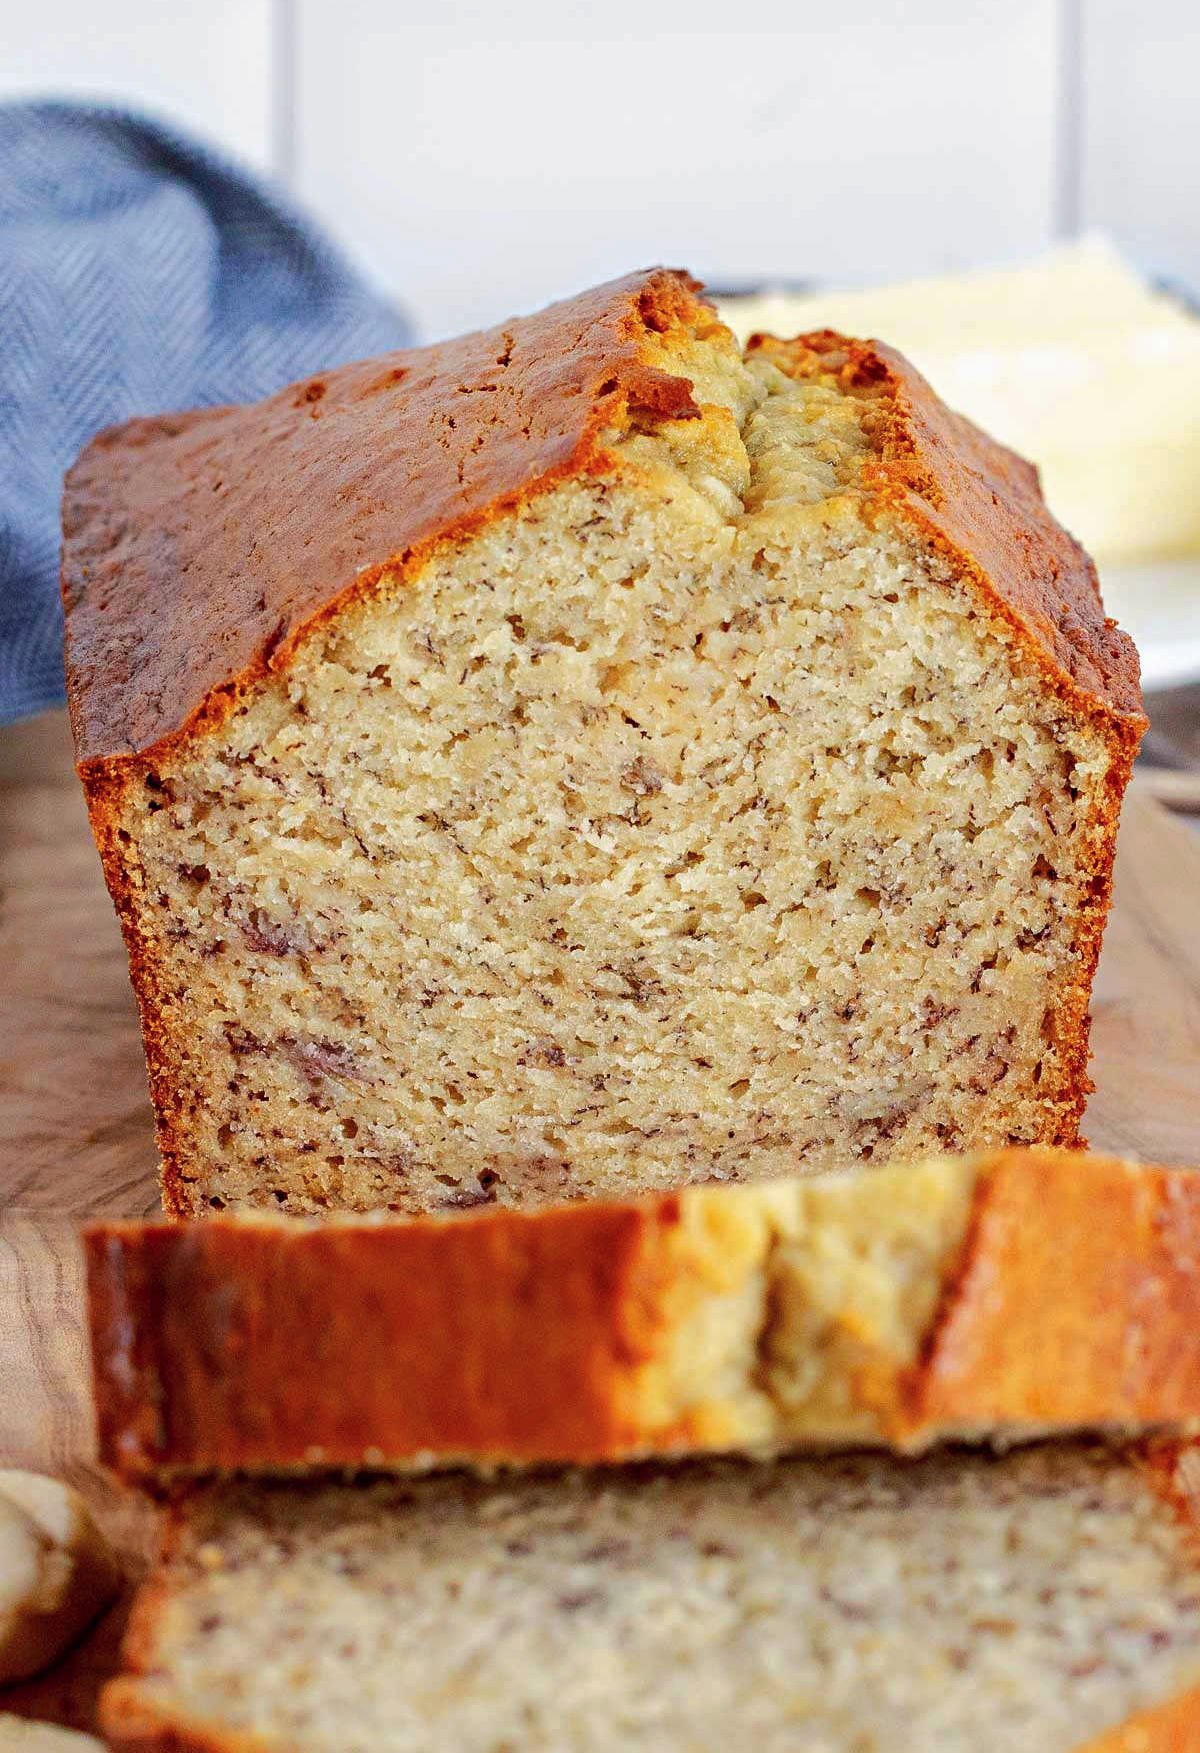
1158,604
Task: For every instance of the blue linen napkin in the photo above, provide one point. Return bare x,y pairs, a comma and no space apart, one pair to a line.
139,272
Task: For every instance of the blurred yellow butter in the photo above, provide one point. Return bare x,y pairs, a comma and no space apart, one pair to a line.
1074,361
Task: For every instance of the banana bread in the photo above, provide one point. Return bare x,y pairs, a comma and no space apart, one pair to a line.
585,758
992,1298
1046,1601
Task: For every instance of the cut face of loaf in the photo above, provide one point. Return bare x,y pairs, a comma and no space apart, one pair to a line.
994,1299
586,759
967,1604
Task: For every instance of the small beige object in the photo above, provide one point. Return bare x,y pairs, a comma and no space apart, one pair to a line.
57,1573
19,1735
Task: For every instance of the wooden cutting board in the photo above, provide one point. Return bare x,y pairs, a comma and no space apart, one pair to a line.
76,1139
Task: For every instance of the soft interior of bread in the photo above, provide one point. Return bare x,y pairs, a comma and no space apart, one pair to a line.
689,824
796,1308
961,1603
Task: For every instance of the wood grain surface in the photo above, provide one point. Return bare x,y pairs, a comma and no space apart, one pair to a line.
45,1424
76,1138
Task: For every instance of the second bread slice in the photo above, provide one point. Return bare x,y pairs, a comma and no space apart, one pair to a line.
996,1297
1038,1602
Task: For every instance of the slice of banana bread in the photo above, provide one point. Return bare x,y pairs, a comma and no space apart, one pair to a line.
585,758
991,1298
960,1603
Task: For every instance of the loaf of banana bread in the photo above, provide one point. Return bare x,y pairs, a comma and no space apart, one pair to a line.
587,757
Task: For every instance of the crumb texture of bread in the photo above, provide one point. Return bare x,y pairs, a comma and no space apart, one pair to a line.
964,1603
703,815
994,1299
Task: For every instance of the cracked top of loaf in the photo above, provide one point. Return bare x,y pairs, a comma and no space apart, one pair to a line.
199,548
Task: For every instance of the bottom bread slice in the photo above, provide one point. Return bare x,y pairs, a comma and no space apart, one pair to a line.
994,1297
1047,1600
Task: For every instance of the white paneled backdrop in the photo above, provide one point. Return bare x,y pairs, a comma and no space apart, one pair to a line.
479,159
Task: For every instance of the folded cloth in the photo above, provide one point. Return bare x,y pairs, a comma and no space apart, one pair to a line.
139,272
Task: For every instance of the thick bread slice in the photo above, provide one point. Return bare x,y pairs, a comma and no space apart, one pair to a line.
1046,1601
999,1297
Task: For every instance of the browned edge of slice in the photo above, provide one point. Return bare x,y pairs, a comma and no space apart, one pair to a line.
496,1334
506,1336
1074,1304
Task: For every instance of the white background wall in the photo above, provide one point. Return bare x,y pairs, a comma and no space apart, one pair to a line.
481,158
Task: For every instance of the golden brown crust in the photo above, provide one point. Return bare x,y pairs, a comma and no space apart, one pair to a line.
104,790
131,1726
1074,1302
1173,1727
505,1335
199,547
498,1334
